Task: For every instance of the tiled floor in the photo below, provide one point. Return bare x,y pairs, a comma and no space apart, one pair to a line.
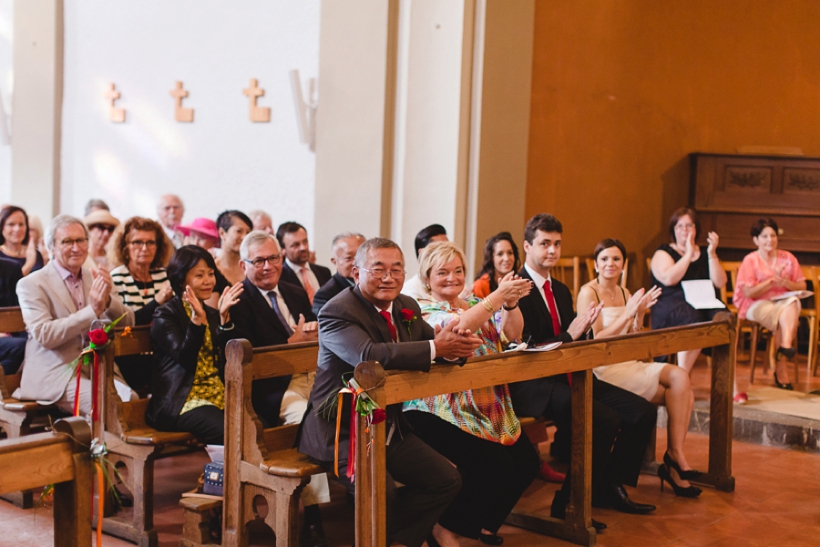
776,502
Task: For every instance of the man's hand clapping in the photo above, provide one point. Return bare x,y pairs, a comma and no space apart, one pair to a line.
583,321
453,343
99,296
304,331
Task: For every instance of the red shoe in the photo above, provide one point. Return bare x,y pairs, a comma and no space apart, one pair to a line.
741,398
549,474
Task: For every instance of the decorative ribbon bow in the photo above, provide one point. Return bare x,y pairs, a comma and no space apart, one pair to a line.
361,405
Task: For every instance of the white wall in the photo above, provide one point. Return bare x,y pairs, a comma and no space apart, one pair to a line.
6,83
219,161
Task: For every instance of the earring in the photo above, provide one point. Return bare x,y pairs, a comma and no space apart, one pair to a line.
428,288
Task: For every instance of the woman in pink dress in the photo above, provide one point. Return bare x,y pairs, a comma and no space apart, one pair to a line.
764,277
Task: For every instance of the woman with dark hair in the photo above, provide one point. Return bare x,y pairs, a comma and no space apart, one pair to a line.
188,338
658,383
765,275
140,250
682,260
15,244
500,258
233,226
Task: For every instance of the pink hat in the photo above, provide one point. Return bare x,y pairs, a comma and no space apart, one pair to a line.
204,226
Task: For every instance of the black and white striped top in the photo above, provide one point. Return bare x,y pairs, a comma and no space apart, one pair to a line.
137,295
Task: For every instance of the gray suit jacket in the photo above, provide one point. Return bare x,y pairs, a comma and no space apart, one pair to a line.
55,331
352,331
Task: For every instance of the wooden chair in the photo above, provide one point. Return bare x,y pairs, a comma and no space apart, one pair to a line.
19,417
811,315
591,271
568,272
134,445
262,462
60,458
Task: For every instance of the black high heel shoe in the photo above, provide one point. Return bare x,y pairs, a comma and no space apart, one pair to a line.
788,355
490,539
682,491
690,475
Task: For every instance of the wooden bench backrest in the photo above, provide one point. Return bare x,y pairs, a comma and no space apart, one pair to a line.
122,417
244,365
11,320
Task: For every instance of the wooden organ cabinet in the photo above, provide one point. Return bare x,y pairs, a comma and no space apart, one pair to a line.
730,192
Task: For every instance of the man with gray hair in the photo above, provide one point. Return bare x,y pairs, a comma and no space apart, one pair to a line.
170,211
272,312
343,251
59,303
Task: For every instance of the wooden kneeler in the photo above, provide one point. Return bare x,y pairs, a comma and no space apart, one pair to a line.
262,462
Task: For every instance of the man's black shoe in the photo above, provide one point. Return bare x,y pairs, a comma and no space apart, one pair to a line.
313,533
559,511
616,497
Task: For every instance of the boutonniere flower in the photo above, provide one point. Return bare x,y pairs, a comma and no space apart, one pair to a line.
407,317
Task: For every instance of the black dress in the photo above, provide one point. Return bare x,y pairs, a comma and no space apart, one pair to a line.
672,309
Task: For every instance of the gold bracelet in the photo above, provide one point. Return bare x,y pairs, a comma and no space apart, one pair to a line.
488,305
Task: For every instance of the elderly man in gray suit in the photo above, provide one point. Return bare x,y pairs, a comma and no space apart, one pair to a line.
59,303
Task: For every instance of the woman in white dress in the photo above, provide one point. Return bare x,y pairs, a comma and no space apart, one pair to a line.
658,383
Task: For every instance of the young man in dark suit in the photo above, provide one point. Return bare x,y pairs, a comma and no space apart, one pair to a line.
622,421
363,324
297,269
343,251
272,312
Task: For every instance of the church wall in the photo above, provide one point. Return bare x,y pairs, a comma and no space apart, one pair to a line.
221,160
622,91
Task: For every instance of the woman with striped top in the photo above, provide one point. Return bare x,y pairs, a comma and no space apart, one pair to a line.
142,250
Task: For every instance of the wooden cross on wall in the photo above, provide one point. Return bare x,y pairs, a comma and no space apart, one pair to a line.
181,114
116,115
256,113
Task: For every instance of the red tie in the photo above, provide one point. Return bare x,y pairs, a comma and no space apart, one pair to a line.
389,320
556,324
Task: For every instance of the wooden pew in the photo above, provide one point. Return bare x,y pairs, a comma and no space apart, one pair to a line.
17,417
262,462
133,444
578,358
60,457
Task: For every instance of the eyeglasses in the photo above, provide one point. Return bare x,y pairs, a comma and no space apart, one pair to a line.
147,244
260,262
102,228
381,273
80,242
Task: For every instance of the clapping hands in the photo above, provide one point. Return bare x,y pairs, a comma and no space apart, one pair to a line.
454,343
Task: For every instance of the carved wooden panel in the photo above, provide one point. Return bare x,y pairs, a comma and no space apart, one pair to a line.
730,192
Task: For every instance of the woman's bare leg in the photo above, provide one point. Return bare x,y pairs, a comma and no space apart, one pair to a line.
686,359
675,391
785,337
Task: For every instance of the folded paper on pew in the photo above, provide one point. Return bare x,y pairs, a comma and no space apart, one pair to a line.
700,294
545,347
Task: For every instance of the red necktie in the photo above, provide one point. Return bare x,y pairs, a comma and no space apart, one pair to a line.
389,320
556,324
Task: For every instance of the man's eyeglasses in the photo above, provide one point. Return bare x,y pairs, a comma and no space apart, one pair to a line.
260,262
147,244
80,242
381,273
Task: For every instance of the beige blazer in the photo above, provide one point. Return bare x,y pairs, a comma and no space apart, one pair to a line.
55,331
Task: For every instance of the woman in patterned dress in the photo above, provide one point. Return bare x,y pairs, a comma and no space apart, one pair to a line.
476,430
